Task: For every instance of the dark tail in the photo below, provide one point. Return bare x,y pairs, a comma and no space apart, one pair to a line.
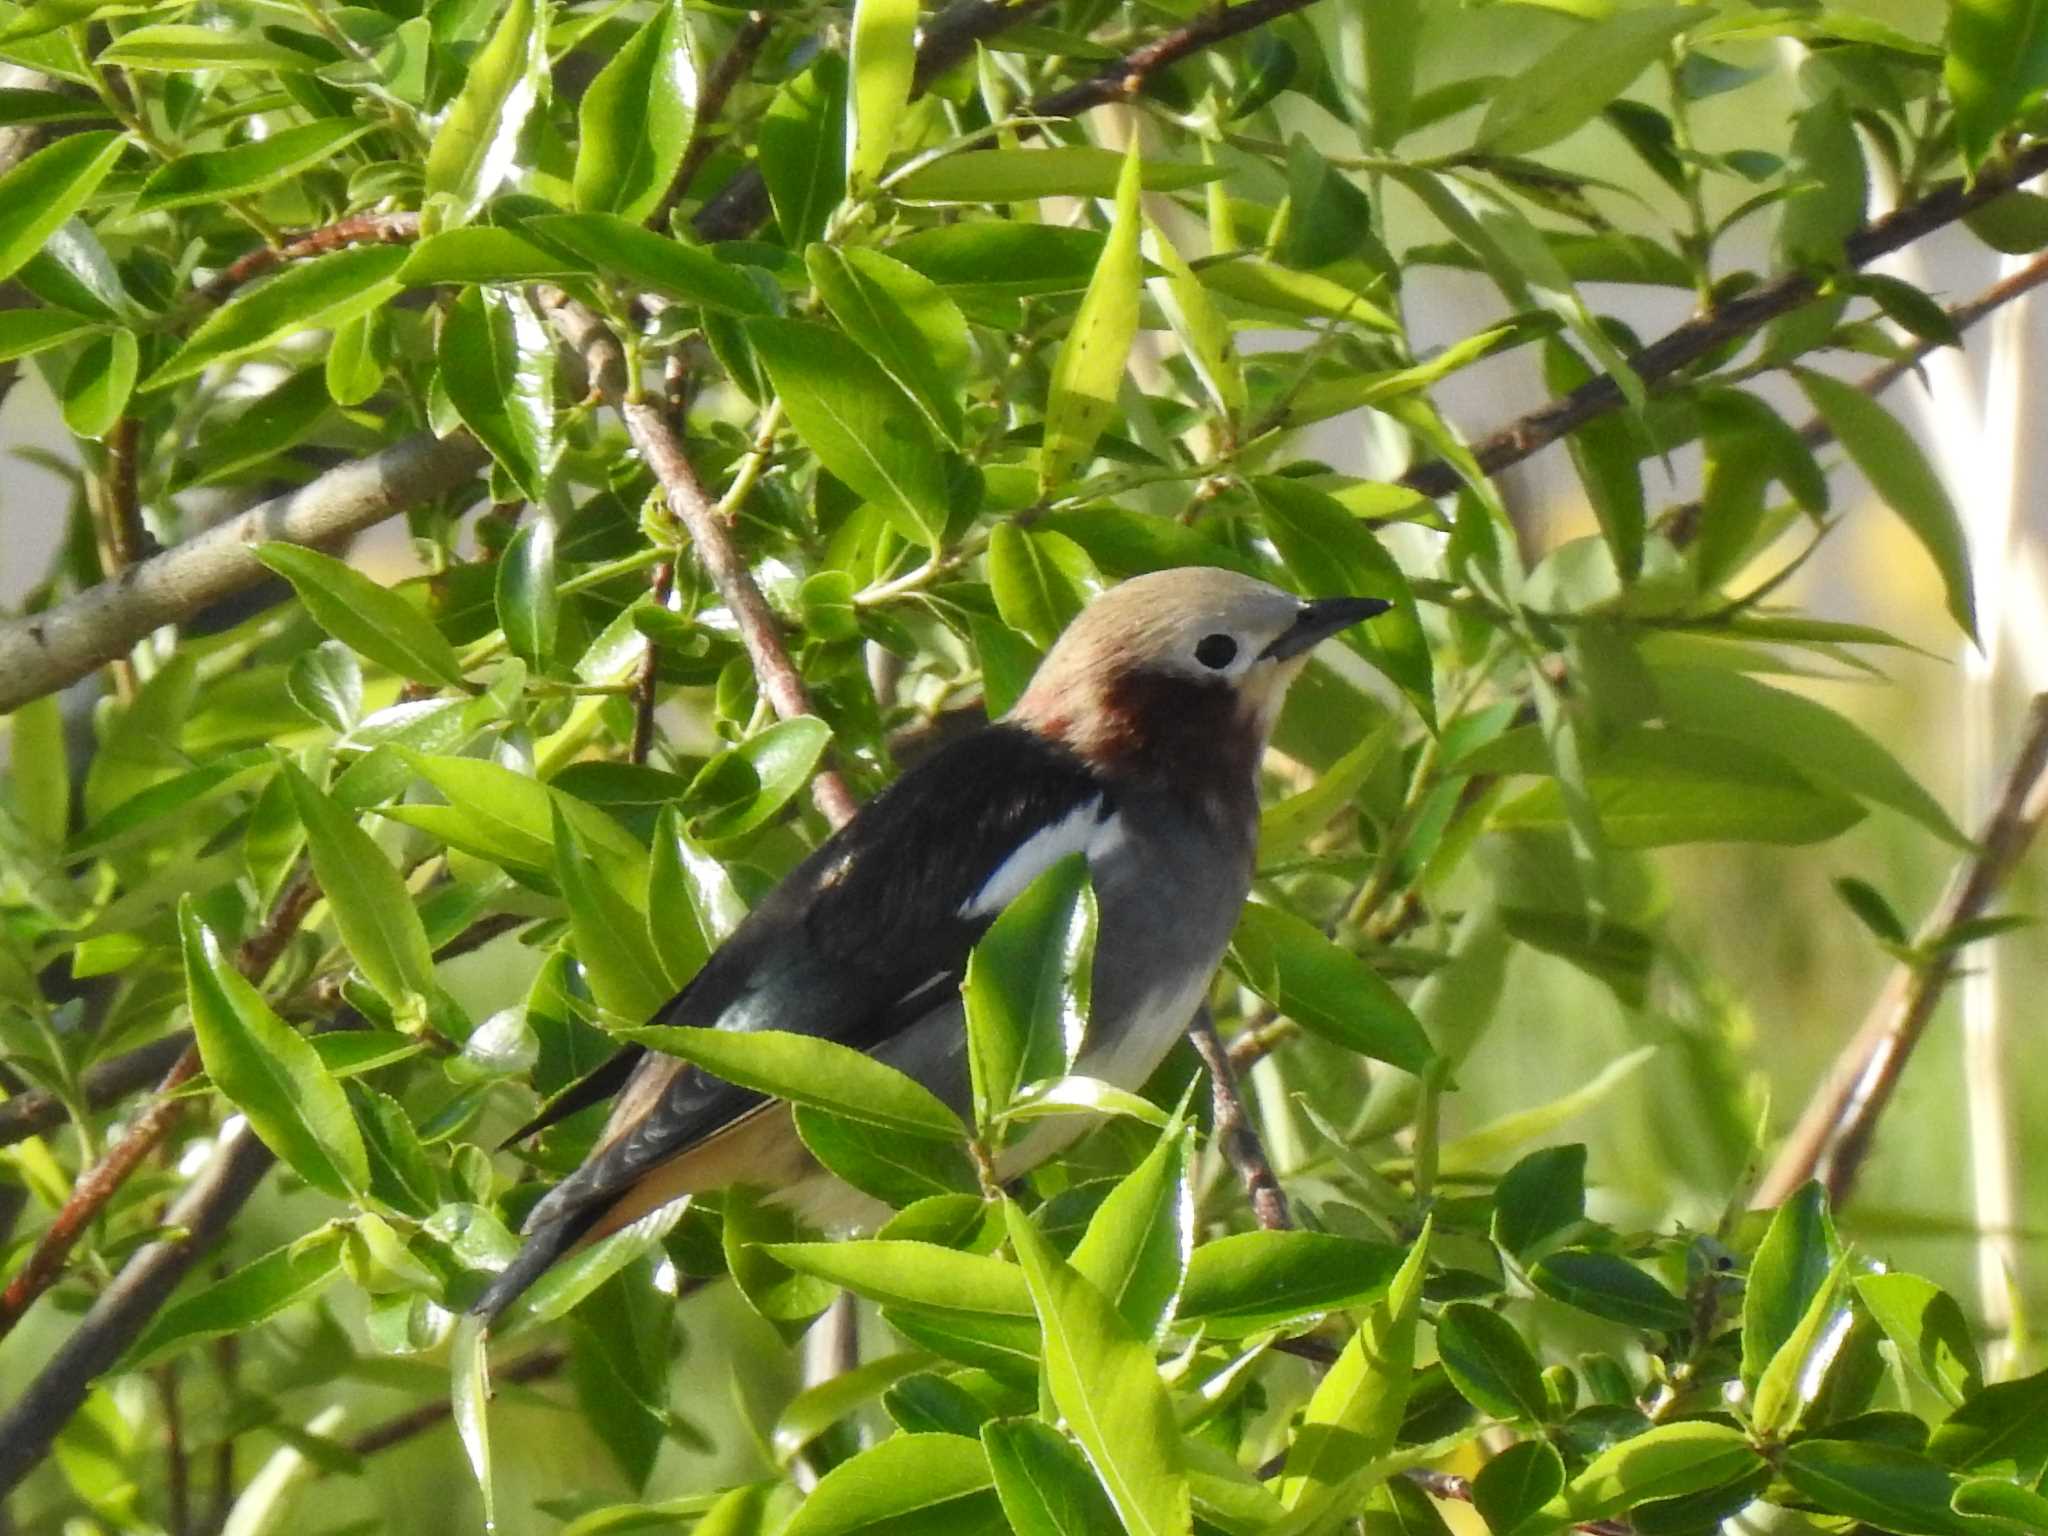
545,1242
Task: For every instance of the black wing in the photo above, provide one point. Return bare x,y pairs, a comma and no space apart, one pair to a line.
860,941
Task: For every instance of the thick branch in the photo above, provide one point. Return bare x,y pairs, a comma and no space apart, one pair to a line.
1234,1130
46,651
1704,334
651,433
1834,1134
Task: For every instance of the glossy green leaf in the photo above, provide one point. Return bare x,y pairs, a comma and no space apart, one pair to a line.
25,332
2000,1431
1251,1281
497,363
778,763
371,905
1567,86
312,295
1609,1287
364,615
39,769
354,370
899,1272
97,388
1489,1364
625,975
488,253
644,259
903,321
806,1070
2000,1500
803,149
1929,1330
1996,64
1021,175
1542,1195
476,146
1356,1413
1900,474
1300,295
1041,580
1516,1484
211,176
1044,1483
1138,1242
1791,1265
882,60
1204,334
1325,989
1088,373
1101,1377
1830,184
636,117
401,1172
1794,1375
1604,452
1663,1462
267,1070
1027,987
863,428
47,188
817,1408
529,604
1889,1487
908,1483
239,1301
896,1169
177,47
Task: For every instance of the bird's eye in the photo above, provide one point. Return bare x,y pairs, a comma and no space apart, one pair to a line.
1216,651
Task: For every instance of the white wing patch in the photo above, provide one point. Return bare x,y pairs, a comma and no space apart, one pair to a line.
1082,830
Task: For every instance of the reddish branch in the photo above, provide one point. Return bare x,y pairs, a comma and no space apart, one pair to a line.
1234,1132
362,229
1834,1134
1126,77
648,426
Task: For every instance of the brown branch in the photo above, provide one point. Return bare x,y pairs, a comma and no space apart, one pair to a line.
652,435
659,587
1126,77
1834,1133
537,1366
362,229
1452,1488
1234,1130
730,70
1681,523
1704,334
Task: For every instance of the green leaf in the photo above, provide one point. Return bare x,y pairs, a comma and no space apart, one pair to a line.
864,429
253,1294
1900,474
686,879
1795,1374
475,147
1088,374
264,428
364,615
779,762
655,262
1604,452
371,905
2001,1431
213,176
1609,1287
97,388
898,1272
1568,85
1516,1484
1334,554
626,976
1663,1462
806,1070
883,61
1138,1242
1101,1377
1326,990
1041,580
469,1394
635,119
1044,1483
1996,67
2001,1500
1204,334
322,293
816,1409
1027,986
1299,295
1252,1281
39,769
1830,185
179,48
1929,1330
356,359
1791,1265
1285,827
1355,1416
908,1483
902,320
1489,1364
1542,1195
750,1229
896,1169
497,363
1485,1147
401,1173
803,150
1022,175
1886,1485
487,253
47,188
529,605
267,1070
25,332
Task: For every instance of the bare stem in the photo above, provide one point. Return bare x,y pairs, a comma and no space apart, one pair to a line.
1234,1130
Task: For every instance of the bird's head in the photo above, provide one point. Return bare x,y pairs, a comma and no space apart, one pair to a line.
1180,669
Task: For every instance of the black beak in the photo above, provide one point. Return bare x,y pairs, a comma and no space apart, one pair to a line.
1321,618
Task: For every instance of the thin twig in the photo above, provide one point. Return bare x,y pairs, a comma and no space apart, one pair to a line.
730,70
648,426
362,229
663,583
1234,1130
1834,1133
1126,77
537,1366
177,1469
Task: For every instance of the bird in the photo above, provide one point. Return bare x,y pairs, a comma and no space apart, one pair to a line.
1136,743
